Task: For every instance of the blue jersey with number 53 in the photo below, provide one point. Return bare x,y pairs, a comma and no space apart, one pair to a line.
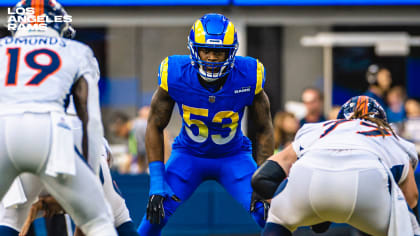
211,121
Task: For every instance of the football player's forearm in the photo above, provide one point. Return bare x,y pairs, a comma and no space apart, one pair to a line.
94,126
154,144
80,92
160,113
264,128
265,145
86,100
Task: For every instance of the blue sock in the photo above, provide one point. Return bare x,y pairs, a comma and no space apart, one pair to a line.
272,229
127,229
7,231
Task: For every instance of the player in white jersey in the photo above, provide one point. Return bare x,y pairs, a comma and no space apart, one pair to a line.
39,70
13,216
348,171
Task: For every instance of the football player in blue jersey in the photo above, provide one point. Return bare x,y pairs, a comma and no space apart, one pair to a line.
211,87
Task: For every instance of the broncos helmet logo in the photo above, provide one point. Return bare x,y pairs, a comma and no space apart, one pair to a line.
363,104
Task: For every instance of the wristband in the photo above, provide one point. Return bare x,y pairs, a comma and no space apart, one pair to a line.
157,178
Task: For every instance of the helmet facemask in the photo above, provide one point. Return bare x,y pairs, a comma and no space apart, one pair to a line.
212,71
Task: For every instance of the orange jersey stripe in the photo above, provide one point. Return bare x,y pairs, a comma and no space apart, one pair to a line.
358,103
41,7
33,5
362,105
36,5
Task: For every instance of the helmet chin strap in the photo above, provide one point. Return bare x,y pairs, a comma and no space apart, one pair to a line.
26,32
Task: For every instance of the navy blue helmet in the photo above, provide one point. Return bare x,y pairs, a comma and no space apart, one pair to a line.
363,104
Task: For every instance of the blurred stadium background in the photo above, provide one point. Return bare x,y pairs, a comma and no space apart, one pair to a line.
131,37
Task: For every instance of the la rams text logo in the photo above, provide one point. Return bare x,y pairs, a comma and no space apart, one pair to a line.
243,90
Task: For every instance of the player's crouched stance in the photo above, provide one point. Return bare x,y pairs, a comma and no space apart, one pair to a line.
12,217
38,71
211,87
351,170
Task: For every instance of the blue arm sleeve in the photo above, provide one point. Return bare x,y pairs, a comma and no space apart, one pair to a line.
157,178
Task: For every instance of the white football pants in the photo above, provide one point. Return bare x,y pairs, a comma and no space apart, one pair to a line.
14,217
25,143
324,186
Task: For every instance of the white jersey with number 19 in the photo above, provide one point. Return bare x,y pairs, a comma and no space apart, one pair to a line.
37,72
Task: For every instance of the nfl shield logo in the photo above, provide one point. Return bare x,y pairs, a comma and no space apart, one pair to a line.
212,99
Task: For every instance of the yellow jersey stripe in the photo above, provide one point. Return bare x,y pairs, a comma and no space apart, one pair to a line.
164,74
260,77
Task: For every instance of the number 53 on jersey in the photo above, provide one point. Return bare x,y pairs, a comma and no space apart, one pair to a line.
203,129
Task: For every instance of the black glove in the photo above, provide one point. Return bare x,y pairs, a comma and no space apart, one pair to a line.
256,198
321,227
155,211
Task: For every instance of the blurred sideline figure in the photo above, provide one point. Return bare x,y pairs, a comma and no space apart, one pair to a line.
351,170
411,129
211,87
395,99
412,108
143,112
379,80
313,99
39,69
285,127
135,132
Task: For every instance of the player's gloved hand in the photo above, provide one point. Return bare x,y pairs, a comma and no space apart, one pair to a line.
321,227
159,191
256,198
155,211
